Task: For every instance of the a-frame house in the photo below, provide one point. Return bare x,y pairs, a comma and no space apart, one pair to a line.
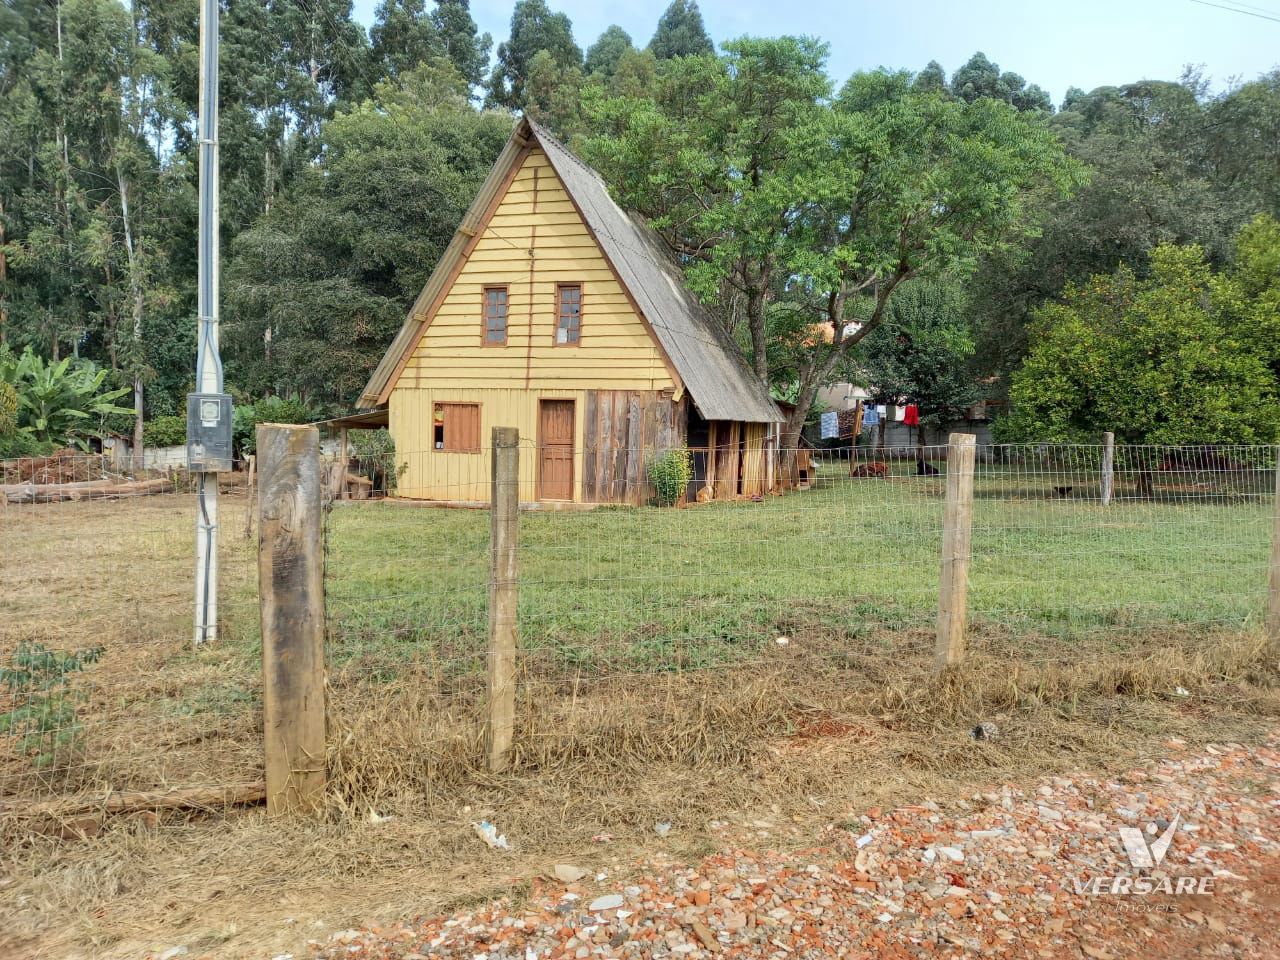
556,312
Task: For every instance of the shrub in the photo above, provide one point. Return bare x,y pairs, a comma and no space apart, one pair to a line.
8,409
670,473
165,432
43,718
245,418
375,453
22,443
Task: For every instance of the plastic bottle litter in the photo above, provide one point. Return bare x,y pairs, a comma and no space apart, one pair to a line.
487,832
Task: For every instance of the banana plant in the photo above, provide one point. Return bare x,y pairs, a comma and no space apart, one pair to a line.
60,403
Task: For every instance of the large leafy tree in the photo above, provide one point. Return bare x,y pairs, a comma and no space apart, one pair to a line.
912,185
776,193
1159,155
317,289
403,36
466,48
604,54
979,77
1171,358
552,94
681,32
534,28
711,158
932,79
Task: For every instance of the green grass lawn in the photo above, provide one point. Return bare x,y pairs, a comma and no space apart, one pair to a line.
650,588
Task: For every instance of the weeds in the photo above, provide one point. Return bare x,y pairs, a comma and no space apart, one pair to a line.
43,719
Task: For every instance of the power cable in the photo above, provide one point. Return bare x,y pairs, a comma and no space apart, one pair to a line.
1247,13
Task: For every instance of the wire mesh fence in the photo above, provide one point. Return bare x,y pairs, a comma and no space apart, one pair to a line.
100,683
822,563
838,572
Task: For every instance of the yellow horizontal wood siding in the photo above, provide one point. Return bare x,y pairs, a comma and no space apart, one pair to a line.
429,474
531,248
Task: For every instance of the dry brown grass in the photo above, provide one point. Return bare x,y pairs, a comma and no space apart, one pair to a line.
805,734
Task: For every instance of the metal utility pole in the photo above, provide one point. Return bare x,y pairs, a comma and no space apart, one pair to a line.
208,409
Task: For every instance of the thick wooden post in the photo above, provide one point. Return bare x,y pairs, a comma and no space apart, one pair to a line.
503,517
291,596
1273,593
857,432
344,454
1108,466
957,529
250,470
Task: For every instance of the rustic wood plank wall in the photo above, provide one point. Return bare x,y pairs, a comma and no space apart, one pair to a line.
622,429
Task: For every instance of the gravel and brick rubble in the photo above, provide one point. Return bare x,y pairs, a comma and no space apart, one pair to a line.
999,874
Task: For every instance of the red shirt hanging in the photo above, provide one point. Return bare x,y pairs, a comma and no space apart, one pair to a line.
911,416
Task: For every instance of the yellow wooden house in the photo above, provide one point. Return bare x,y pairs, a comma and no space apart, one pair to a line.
556,312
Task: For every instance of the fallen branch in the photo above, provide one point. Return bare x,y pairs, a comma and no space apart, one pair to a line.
55,492
83,816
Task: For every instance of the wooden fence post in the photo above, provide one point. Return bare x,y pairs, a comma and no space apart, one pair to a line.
291,597
251,470
1273,593
957,529
1108,467
504,511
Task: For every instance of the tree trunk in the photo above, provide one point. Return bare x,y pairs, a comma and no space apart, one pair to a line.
759,341
135,285
789,441
138,458
920,443
4,275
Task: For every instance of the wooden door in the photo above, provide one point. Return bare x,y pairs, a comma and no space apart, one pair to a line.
555,450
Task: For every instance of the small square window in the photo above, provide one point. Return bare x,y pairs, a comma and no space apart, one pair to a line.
456,427
495,316
568,314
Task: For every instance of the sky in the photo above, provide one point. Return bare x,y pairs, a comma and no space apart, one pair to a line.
1084,43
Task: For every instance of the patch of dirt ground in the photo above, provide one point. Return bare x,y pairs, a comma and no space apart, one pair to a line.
1005,872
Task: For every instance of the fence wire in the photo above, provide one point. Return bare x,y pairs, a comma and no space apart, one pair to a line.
100,684
844,565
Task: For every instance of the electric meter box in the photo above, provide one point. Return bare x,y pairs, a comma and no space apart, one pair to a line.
208,432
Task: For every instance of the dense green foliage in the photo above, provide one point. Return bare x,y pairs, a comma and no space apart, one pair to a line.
681,32
375,454
921,353
801,211
799,203
246,417
8,409
670,473
170,431
318,287
535,29
603,55
55,403
1171,358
